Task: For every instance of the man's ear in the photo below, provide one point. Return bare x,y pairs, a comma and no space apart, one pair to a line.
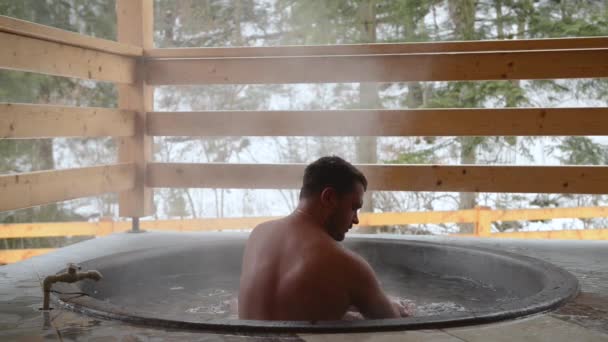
328,196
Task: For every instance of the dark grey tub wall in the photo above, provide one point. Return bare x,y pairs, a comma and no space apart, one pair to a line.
224,257
547,286
521,277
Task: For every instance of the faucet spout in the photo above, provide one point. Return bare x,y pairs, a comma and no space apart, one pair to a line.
71,276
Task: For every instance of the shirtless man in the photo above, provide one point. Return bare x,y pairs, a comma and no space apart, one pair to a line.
295,269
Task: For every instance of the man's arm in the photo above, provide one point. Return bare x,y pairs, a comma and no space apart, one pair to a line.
366,294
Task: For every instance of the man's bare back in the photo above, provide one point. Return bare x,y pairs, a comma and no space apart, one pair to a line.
295,269
290,274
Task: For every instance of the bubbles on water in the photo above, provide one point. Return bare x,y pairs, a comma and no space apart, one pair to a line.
428,309
472,282
211,309
506,299
433,309
215,293
225,309
215,303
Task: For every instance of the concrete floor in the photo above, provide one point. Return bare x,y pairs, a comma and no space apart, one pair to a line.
583,319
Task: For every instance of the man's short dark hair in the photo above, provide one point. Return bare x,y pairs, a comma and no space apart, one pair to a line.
332,172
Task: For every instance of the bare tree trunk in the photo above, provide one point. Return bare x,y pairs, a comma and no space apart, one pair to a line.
237,34
462,13
467,200
368,96
191,202
46,161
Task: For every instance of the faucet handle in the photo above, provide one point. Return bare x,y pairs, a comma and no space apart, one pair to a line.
73,267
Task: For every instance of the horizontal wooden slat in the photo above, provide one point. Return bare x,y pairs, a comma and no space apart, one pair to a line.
425,122
42,121
52,34
46,229
382,48
365,220
37,188
548,213
8,256
49,229
421,217
449,178
35,55
254,176
460,66
582,234
205,224
101,228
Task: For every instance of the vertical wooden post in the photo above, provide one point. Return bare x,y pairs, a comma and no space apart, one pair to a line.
483,225
135,26
106,226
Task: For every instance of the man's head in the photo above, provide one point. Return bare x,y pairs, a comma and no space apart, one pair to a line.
336,187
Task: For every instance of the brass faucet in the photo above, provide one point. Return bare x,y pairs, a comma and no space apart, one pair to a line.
72,275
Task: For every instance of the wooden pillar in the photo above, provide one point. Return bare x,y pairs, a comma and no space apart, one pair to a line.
135,26
483,225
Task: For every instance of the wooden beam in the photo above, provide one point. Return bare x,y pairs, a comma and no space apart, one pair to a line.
52,34
206,224
365,220
381,48
25,190
238,176
35,55
101,228
448,178
420,217
483,221
9,256
579,234
548,213
45,121
461,66
424,122
135,21
47,229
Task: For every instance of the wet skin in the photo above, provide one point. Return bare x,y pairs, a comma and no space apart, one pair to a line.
295,268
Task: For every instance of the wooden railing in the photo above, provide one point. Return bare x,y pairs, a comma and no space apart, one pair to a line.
136,67
482,217
41,49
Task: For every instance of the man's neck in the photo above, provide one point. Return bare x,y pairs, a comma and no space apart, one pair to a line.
310,213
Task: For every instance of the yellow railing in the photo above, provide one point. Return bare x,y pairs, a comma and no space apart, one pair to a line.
482,217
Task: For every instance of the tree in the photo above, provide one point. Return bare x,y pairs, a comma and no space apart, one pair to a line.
190,23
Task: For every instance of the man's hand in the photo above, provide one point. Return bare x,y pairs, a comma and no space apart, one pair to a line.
353,315
405,308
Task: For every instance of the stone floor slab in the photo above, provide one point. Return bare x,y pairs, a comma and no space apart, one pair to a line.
393,336
537,328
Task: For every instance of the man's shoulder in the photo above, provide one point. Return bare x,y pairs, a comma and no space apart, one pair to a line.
334,255
354,266
354,259
266,225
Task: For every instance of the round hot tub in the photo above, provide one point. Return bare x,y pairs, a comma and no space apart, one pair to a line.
194,285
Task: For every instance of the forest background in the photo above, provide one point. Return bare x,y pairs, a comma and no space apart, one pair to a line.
214,23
